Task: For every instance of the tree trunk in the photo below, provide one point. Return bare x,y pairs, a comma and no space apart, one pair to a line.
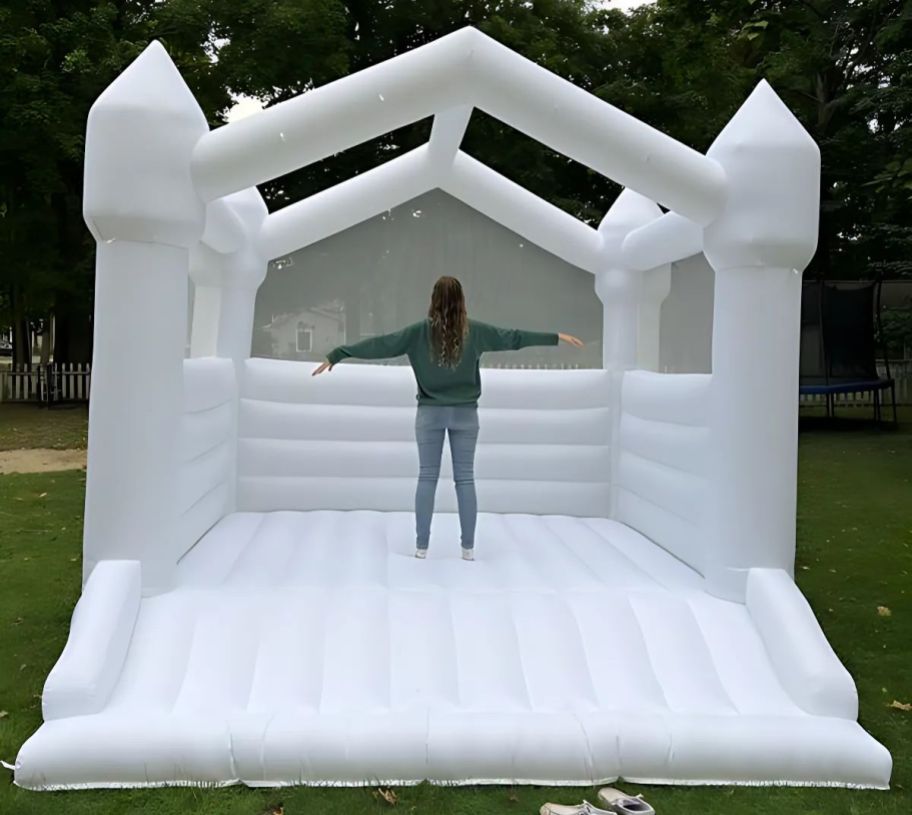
821,267
22,345
73,301
72,336
22,342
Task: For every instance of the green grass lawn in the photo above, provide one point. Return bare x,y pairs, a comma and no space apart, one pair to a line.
854,555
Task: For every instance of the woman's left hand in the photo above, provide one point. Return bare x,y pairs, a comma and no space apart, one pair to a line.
571,339
322,368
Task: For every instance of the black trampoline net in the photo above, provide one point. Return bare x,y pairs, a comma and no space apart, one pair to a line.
838,332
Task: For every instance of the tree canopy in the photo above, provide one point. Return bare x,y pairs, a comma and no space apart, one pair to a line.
684,66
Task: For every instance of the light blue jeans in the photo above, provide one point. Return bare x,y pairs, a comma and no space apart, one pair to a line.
461,422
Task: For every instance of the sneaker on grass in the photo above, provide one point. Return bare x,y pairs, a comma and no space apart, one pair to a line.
622,803
584,808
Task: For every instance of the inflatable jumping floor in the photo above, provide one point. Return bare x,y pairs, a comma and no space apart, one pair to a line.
251,608
307,647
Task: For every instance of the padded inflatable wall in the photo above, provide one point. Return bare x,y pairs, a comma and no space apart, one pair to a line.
346,440
206,448
662,477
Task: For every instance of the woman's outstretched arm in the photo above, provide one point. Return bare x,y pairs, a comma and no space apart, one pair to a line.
379,347
494,338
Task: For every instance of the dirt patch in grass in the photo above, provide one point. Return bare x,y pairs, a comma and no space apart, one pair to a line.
24,424
41,460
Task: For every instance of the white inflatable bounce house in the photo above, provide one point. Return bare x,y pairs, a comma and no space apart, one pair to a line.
252,611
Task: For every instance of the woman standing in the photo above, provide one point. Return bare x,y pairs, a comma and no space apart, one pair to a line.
444,350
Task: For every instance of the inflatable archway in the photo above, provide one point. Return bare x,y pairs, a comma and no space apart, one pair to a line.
251,612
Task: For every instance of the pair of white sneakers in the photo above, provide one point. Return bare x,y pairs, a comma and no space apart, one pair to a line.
614,801
467,554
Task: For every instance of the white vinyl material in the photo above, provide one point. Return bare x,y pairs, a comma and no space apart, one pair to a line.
100,632
347,441
252,611
312,647
807,666
207,444
662,485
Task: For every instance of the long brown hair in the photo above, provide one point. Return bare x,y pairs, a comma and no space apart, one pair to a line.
448,321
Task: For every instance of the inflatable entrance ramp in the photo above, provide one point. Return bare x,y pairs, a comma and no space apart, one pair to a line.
252,611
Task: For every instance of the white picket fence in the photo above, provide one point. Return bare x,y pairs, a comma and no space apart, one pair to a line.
57,382
70,381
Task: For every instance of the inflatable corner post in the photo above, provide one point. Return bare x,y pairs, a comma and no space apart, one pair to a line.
251,611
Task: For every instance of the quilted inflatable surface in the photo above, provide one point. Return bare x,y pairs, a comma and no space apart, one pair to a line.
312,647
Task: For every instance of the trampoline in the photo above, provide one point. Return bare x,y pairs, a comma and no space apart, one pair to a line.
840,326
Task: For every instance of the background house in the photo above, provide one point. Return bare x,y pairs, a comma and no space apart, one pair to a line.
305,333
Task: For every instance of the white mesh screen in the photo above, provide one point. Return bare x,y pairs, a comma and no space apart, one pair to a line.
686,334
378,275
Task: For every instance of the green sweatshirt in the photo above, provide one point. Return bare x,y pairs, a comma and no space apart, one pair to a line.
437,384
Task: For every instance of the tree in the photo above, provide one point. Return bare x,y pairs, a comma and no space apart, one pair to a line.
274,51
55,59
843,69
683,66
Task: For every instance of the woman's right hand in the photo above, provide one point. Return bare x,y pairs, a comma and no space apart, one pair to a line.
571,339
322,368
